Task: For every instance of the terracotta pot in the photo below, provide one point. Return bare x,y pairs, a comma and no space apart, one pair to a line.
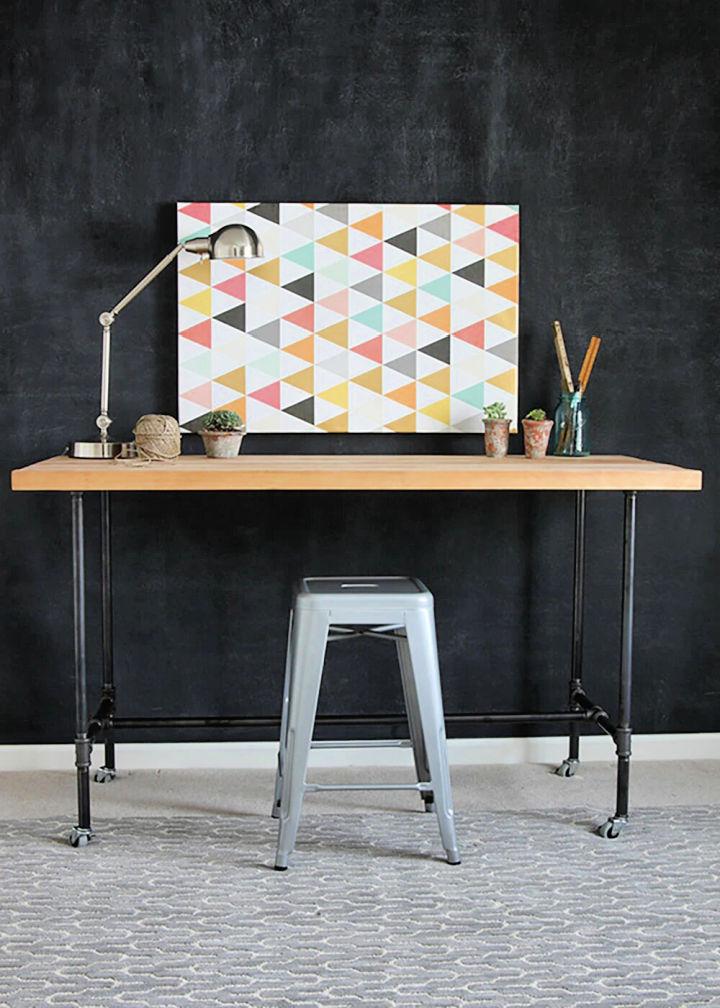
497,436
222,444
536,434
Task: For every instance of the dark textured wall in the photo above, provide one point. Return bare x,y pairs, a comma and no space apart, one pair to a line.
596,118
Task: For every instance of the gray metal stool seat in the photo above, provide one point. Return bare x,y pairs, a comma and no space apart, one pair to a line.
331,609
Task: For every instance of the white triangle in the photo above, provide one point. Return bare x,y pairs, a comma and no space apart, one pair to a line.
461,227
325,226
429,212
229,358
393,411
289,395
426,273
392,318
303,225
263,302
495,212
324,350
256,379
393,256
188,318
291,333
290,271
426,334
222,302
325,410
392,349
426,396
359,211
290,302
226,339
359,241
325,317
187,287
429,425
221,271
427,365
358,271
359,333
495,334
291,211
189,349
358,302
494,273
392,288
392,380
461,257
222,394
324,286
357,365
495,242
428,303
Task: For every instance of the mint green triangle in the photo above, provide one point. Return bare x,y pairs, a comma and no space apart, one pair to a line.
202,232
269,365
200,365
338,271
304,256
475,395
372,317
439,288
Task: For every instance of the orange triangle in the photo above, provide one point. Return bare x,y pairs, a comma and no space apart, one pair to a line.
234,379
508,288
440,380
507,319
439,410
335,425
372,226
439,257
269,271
302,379
406,395
405,425
199,271
337,241
238,405
405,303
440,318
304,348
507,381
474,213
337,333
371,380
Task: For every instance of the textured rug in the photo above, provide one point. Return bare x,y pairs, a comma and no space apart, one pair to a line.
188,911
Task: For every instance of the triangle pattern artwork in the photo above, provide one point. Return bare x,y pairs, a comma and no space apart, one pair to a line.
359,317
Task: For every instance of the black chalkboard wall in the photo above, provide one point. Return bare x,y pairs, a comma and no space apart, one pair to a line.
597,119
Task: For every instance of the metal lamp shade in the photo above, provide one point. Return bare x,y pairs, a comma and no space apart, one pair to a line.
235,241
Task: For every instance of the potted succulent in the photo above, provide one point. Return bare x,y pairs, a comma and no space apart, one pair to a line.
222,433
497,430
536,433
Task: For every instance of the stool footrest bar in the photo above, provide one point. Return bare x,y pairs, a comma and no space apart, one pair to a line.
369,787
364,744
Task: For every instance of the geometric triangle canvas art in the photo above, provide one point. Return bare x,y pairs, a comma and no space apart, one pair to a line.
359,317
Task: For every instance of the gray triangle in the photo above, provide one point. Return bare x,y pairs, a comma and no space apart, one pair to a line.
235,317
440,226
507,351
474,272
373,287
337,211
304,287
339,365
406,365
269,333
304,410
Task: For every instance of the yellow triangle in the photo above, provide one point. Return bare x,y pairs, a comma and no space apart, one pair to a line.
439,410
241,205
200,302
507,258
371,380
405,303
439,257
337,333
507,381
507,319
234,379
338,241
407,272
199,271
302,380
269,271
440,380
474,213
405,425
336,425
337,395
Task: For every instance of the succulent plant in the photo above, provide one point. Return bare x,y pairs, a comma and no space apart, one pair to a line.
495,411
223,421
536,414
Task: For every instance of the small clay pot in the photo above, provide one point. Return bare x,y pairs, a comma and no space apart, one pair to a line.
222,444
497,437
536,434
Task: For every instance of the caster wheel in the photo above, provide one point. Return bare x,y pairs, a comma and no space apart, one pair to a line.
567,768
80,837
611,829
104,775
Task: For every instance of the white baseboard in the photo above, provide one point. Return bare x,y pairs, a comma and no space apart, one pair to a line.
261,755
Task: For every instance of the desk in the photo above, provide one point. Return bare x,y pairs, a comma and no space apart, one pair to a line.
366,473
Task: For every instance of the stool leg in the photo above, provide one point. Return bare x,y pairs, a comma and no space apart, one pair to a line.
282,746
422,769
426,673
309,639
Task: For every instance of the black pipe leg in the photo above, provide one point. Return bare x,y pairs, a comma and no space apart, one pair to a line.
623,733
107,771
81,834
568,766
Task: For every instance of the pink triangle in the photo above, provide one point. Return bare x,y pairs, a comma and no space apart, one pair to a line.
404,334
337,302
474,242
372,349
445,206
270,395
372,256
200,211
235,286
202,395
474,334
510,227
200,333
303,317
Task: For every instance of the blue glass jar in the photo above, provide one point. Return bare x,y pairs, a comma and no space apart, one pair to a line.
571,429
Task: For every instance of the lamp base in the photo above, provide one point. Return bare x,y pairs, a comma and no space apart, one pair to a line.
99,449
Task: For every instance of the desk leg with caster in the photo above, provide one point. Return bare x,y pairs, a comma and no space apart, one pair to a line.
568,766
107,771
82,833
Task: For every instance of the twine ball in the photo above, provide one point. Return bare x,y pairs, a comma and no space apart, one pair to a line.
157,437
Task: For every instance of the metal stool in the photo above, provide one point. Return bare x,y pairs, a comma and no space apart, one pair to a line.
332,609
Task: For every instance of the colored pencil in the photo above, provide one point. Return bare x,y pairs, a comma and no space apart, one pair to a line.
589,362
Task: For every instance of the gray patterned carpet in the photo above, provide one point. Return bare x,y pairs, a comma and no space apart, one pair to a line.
187,911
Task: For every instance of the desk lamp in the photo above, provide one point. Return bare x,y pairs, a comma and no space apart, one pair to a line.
235,241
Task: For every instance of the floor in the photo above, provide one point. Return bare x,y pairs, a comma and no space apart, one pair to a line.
475,788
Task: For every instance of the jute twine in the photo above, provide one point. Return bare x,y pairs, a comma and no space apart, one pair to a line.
157,439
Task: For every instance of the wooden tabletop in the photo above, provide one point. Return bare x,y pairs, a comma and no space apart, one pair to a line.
359,472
